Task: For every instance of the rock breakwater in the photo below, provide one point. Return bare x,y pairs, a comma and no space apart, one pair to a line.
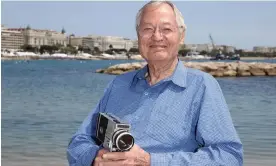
217,69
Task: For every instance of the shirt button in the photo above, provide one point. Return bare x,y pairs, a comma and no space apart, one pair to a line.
146,93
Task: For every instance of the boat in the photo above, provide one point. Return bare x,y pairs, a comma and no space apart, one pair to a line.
196,55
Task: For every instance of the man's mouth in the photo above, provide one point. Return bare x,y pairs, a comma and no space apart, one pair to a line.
158,46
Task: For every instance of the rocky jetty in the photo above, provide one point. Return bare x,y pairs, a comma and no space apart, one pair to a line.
217,69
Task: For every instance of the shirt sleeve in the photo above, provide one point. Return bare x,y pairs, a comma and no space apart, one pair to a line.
217,138
82,148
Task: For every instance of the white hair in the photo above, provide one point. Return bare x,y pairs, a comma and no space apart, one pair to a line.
178,16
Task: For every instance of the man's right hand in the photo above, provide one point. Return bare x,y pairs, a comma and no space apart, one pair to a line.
99,156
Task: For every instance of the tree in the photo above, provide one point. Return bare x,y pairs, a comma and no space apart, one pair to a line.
27,48
110,46
43,49
239,51
96,49
183,52
69,50
80,48
133,50
203,52
86,50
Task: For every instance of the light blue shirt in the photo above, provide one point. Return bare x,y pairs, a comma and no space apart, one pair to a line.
182,120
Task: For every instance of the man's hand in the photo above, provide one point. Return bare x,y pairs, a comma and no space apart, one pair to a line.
99,157
135,157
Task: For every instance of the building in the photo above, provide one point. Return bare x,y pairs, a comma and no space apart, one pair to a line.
246,50
209,47
115,42
260,49
11,39
228,49
135,44
14,38
272,49
75,41
191,47
204,47
199,47
37,38
104,43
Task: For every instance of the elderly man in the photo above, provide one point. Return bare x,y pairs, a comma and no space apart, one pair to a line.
178,115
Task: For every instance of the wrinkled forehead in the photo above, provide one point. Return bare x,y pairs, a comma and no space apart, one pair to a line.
158,14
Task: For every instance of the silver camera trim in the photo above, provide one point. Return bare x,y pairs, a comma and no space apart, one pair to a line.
119,136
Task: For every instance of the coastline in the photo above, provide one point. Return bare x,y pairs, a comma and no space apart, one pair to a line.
241,58
216,69
3,57
54,58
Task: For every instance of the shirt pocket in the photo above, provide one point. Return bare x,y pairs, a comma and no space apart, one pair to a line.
167,129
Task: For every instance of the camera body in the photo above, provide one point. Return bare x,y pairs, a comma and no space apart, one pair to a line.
113,134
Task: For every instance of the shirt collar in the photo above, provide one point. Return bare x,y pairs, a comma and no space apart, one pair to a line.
142,73
178,77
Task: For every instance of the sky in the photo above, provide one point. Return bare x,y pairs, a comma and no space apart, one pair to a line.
240,24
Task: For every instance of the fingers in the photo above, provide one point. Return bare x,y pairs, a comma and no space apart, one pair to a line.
114,163
115,156
101,152
99,156
97,161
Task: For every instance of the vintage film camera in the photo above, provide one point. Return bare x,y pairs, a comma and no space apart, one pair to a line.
113,134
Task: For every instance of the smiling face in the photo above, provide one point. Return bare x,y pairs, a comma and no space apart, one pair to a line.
158,33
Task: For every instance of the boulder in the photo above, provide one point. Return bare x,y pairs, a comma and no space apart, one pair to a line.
257,72
243,67
230,73
217,73
233,66
243,73
270,72
117,72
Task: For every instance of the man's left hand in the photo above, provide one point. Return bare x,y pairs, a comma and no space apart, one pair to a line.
136,156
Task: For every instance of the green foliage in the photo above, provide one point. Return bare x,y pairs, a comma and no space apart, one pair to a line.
80,48
203,52
68,50
87,50
96,49
116,51
183,52
48,49
254,54
29,48
133,50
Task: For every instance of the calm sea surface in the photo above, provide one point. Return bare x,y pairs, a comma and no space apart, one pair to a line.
44,102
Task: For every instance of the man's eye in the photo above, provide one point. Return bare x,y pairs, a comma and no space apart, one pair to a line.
148,29
167,30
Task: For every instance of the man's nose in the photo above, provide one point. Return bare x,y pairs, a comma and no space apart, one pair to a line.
157,35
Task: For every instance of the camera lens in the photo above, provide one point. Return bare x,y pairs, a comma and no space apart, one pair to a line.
123,140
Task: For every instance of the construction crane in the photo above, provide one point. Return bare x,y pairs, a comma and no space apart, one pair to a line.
212,41
217,54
